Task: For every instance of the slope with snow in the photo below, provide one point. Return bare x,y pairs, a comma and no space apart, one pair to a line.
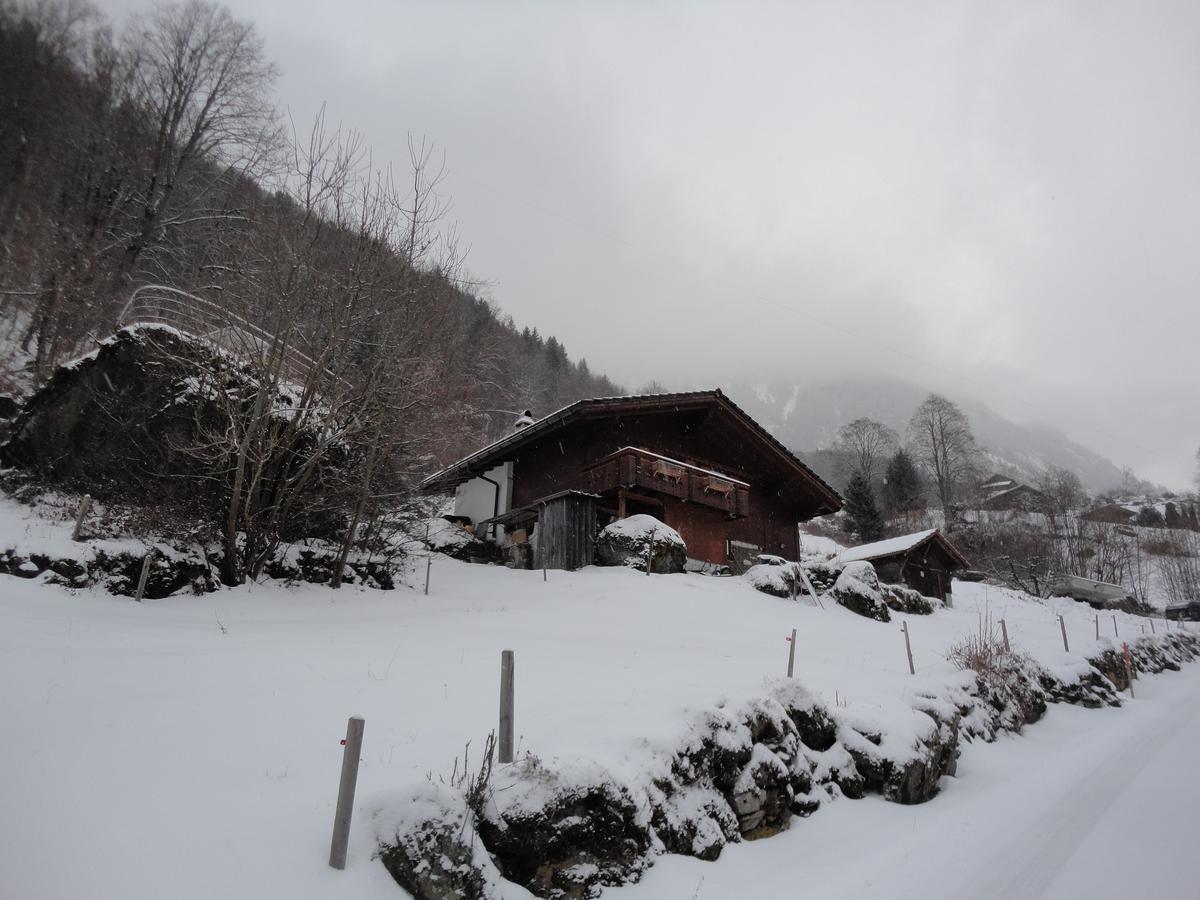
189,747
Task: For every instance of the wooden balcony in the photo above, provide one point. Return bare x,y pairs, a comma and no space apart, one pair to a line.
644,470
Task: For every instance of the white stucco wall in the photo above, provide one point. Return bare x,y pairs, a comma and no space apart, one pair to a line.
475,498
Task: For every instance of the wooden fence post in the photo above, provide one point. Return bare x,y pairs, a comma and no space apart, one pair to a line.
1063,625
1004,632
908,648
1129,674
141,585
792,653
345,798
1152,625
84,505
1097,626
506,706
1115,632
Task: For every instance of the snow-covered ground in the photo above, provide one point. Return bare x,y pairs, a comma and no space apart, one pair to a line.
189,747
1088,803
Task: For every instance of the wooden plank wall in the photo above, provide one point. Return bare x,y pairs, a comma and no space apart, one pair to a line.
566,533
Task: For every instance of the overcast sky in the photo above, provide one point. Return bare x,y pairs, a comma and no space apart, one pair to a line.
999,199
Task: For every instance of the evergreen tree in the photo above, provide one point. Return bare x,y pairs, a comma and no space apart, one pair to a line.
861,509
902,487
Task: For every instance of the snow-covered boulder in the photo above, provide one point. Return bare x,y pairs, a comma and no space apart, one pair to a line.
906,600
857,589
428,844
443,536
634,540
773,579
566,832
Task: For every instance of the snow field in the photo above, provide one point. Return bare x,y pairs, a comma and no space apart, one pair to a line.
190,746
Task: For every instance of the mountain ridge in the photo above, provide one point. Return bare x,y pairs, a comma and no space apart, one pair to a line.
806,417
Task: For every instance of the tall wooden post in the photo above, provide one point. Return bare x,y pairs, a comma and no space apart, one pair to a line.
141,585
1152,625
908,649
346,787
506,706
792,653
84,505
1097,626
1063,626
1115,633
1004,632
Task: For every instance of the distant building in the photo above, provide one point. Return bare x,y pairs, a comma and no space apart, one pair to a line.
925,561
1003,493
1112,513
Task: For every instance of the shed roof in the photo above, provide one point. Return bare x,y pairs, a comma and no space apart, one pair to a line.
600,407
902,546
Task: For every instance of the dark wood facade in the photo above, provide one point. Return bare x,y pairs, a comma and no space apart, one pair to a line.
565,532
696,461
927,566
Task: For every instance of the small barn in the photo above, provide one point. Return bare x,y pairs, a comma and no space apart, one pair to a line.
696,461
926,561
1001,493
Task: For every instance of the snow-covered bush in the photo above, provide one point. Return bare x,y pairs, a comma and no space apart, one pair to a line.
1008,681
637,539
857,589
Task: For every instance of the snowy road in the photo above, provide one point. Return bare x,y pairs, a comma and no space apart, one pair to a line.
1089,803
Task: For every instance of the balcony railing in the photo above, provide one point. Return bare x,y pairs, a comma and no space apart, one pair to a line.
633,467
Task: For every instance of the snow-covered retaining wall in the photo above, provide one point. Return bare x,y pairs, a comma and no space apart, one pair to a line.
742,772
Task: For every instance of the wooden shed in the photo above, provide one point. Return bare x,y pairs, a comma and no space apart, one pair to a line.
925,561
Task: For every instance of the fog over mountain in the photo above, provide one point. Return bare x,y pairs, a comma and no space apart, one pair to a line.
806,415
1001,197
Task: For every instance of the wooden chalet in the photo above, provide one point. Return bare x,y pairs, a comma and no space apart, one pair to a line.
925,561
694,460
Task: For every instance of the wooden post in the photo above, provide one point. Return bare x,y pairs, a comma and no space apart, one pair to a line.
1097,626
1004,632
808,585
141,587
1063,626
795,579
1152,625
1115,633
792,653
345,798
506,706
84,505
908,648
1129,675
428,566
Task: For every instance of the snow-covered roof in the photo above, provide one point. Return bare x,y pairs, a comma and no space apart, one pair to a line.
890,547
497,451
898,545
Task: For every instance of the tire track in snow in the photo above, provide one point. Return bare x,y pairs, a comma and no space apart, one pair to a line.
1028,864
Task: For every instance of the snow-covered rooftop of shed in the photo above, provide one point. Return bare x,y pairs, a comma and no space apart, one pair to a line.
890,547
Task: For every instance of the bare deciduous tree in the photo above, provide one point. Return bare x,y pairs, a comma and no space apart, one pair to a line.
866,444
941,440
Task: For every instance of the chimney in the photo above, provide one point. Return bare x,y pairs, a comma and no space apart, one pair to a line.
524,420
